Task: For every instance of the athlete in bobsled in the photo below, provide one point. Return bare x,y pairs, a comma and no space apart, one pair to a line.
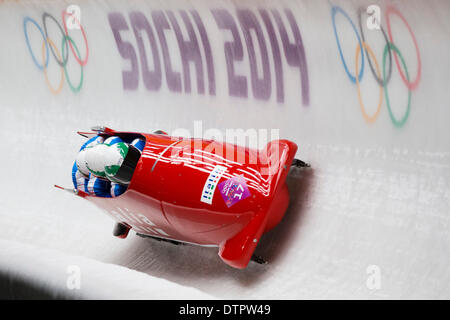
104,167
184,190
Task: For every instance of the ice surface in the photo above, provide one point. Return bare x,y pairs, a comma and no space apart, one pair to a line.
374,205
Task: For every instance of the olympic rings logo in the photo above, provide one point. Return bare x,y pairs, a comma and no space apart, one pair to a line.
383,77
62,56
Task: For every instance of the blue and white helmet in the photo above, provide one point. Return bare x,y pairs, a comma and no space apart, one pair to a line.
91,163
112,140
138,144
92,141
81,156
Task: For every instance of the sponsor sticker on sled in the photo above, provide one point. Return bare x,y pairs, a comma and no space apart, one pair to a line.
234,190
211,183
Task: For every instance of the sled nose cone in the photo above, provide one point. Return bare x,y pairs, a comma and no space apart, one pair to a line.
278,157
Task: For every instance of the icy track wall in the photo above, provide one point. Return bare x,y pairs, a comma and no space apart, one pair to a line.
367,106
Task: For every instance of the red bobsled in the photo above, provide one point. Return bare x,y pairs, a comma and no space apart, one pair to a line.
202,192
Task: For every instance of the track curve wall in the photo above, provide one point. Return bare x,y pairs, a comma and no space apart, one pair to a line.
360,86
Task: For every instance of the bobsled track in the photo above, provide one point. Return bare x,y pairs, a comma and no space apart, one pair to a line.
367,106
